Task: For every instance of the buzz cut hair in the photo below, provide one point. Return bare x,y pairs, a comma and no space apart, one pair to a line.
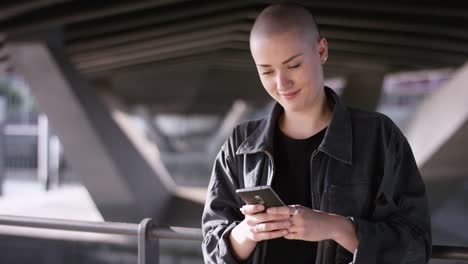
286,17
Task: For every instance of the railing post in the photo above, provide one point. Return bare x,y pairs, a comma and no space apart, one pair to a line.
148,248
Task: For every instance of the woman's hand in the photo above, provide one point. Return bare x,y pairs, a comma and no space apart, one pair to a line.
257,226
307,224
313,225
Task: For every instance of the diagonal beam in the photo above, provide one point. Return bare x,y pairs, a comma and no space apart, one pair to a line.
89,29
123,183
23,6
158,31
72,12
438,134
188,40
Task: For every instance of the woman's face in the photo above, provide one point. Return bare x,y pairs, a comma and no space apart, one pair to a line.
290,69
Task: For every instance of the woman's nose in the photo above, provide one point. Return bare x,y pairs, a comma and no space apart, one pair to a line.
283,81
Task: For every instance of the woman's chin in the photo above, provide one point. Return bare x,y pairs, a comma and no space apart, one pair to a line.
292,107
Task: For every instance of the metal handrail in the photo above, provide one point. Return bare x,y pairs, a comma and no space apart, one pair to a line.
148,235
71,225
449,252
113,228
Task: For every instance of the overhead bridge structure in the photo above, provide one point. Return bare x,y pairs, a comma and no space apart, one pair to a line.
88,63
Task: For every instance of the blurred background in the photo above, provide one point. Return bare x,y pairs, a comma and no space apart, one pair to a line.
115,110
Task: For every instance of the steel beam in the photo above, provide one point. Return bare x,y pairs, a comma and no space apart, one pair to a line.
124,186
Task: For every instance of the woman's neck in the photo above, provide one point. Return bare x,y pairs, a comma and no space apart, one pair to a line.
304,124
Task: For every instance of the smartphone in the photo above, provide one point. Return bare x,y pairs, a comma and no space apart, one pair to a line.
264,195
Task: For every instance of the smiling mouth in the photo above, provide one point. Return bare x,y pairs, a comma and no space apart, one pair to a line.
289,96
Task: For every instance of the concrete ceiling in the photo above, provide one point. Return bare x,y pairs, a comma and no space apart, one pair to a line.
186,56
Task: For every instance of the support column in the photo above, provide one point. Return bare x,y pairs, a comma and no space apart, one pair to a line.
54,161
3,109
363,90
443,115
122,182
438,134
238,110
43,151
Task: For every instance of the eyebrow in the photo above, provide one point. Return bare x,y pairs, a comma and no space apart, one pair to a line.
284,62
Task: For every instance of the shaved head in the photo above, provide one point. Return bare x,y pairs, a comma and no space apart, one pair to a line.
282,18
289,55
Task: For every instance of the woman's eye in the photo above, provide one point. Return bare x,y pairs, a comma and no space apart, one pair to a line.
294,66
266,72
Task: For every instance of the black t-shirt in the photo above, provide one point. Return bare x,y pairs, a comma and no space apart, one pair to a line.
292,183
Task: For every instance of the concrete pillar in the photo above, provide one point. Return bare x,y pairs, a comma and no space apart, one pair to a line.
154,132
43,151
3,109
440,117
363,90
54,161
238,111
438,134
123,181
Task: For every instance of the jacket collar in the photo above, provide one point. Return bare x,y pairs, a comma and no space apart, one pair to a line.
336,143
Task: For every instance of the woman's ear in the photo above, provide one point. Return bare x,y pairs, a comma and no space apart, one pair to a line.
323,50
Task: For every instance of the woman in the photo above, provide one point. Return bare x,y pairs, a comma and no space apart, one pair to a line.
349,176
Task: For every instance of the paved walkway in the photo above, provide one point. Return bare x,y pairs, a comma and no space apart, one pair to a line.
28,198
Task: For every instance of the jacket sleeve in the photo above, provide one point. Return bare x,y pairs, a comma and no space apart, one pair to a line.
221,213
399,229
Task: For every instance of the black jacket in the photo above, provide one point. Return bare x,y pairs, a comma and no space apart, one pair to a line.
363,168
